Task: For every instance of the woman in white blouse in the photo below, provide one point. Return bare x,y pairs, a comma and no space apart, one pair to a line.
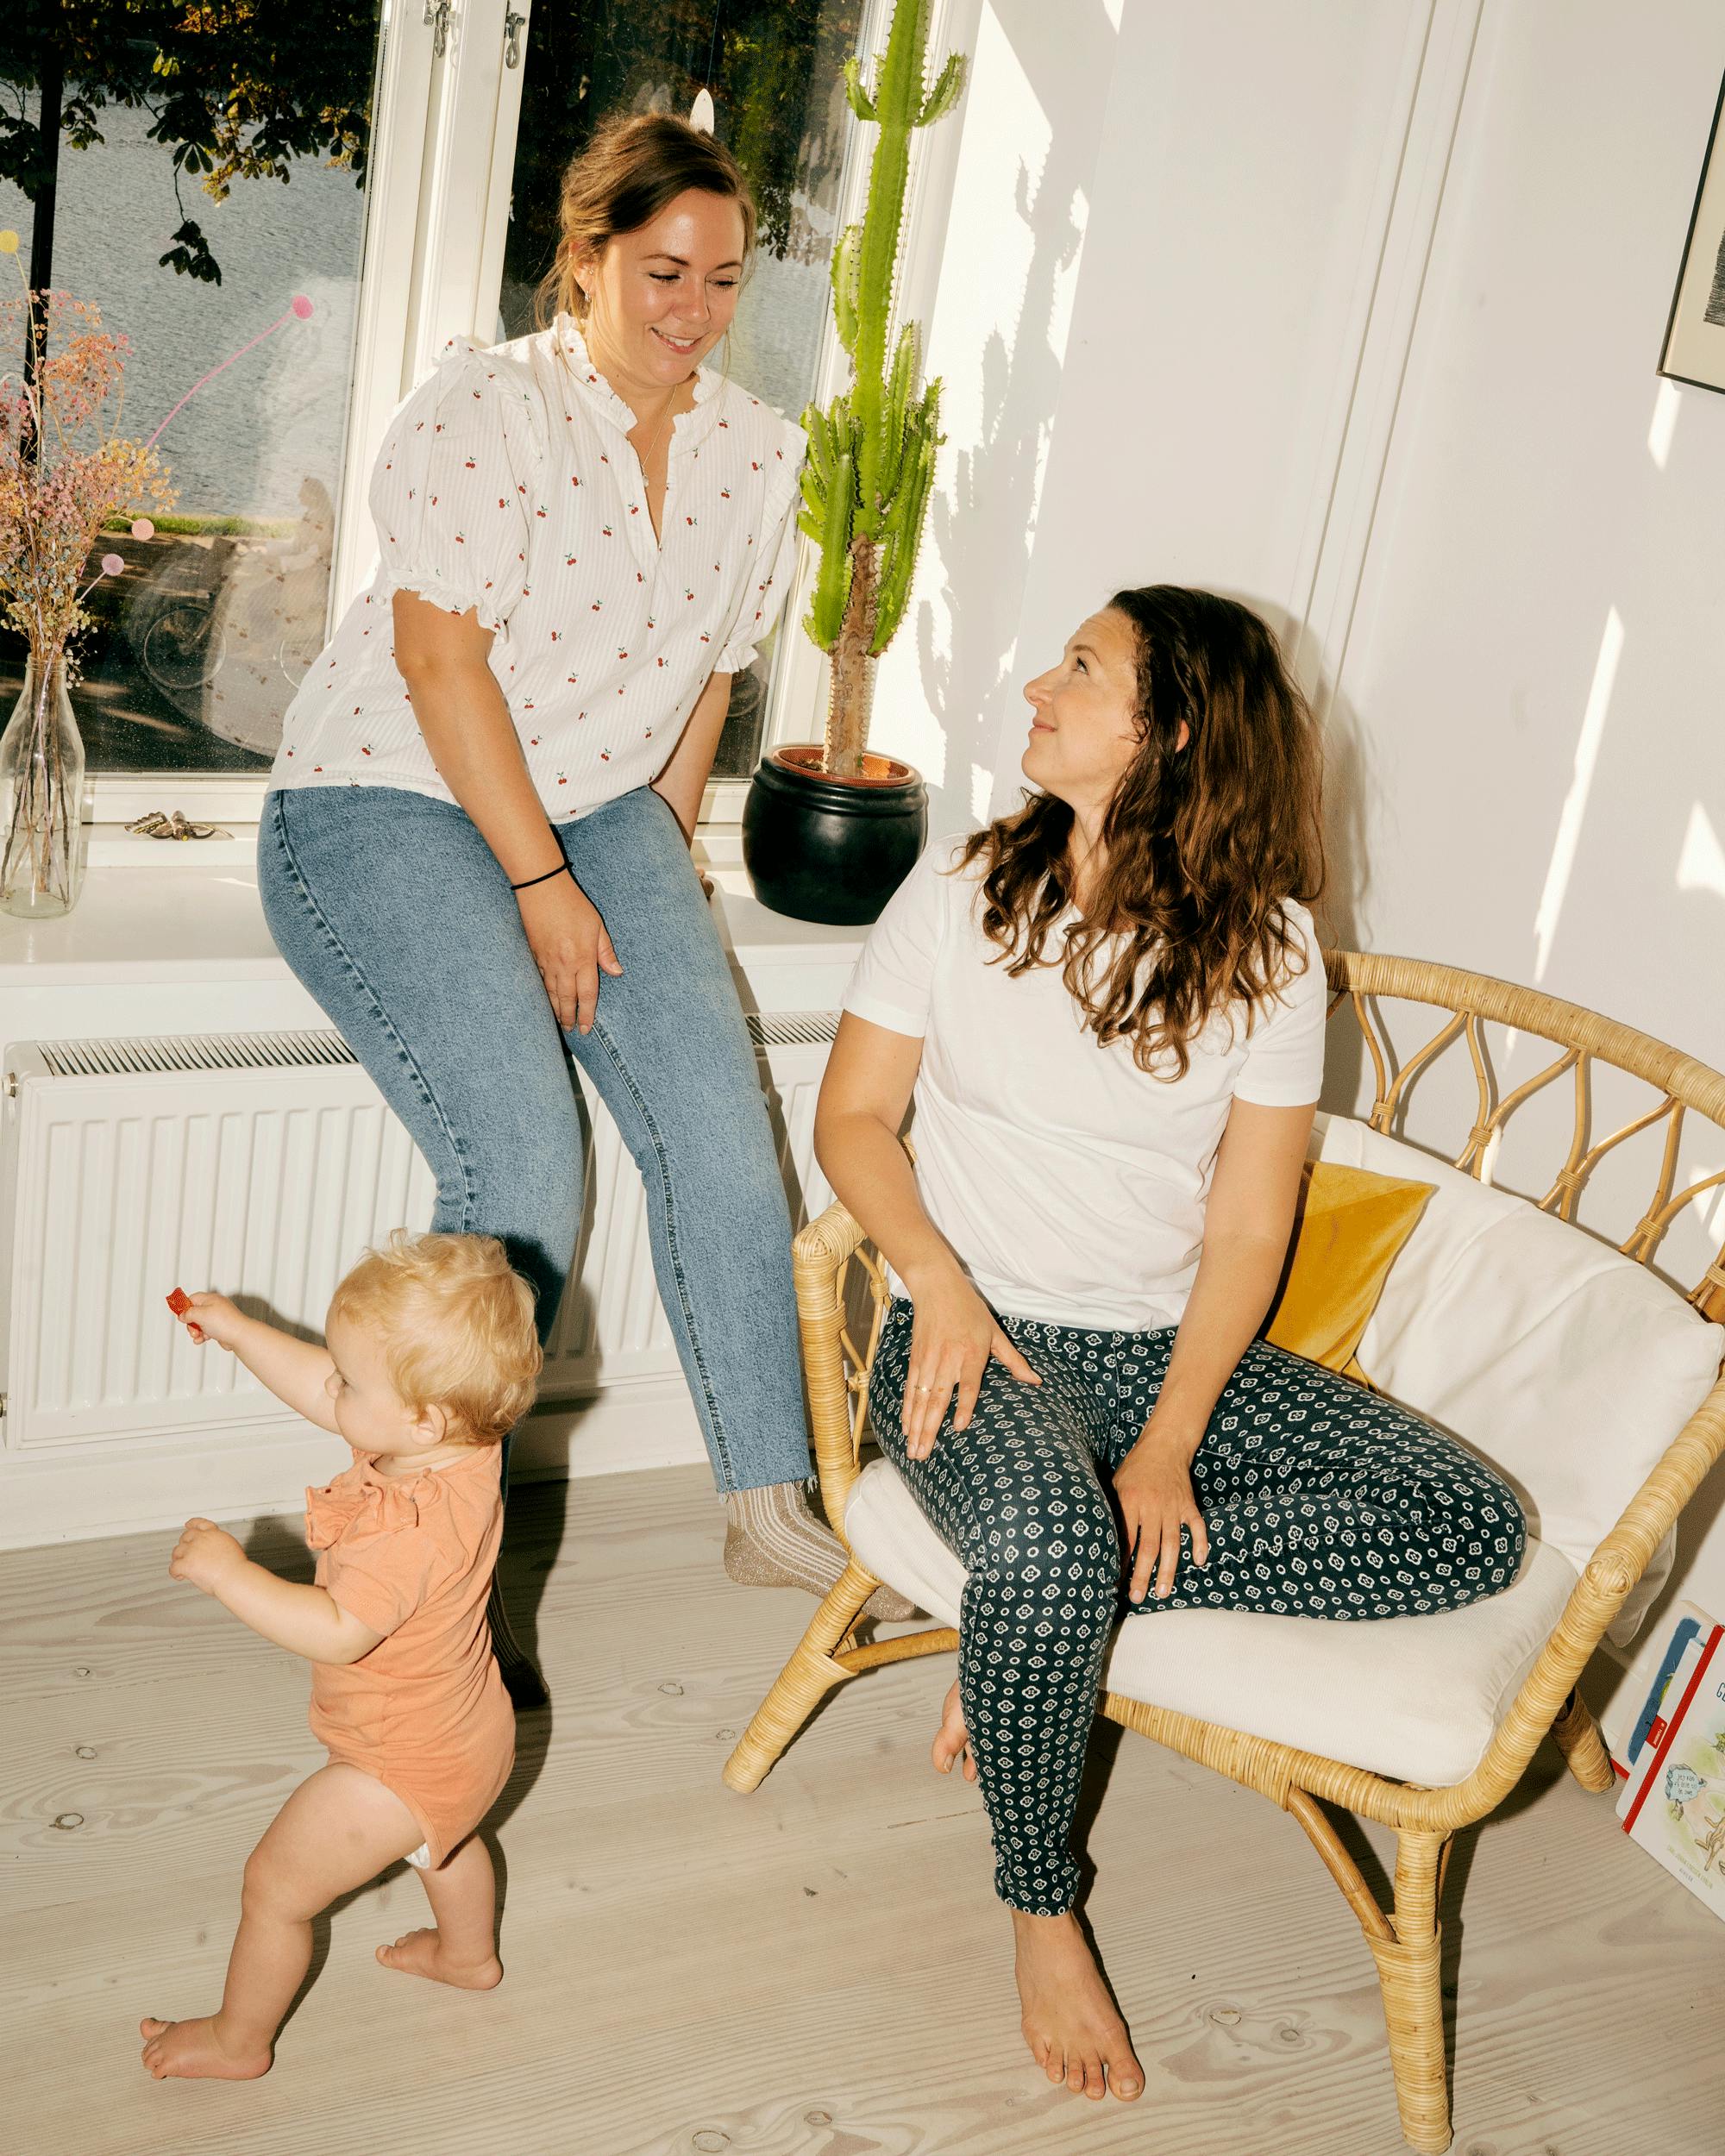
475,855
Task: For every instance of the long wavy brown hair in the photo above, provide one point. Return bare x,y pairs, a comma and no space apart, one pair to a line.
1202,845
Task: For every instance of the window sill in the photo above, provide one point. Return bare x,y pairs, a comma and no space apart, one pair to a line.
183,914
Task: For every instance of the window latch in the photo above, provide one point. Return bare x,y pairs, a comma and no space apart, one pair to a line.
513,25
437,13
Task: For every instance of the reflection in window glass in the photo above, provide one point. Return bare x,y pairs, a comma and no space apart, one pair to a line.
775,68
200,645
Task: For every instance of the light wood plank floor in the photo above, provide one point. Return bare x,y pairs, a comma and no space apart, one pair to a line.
815,1971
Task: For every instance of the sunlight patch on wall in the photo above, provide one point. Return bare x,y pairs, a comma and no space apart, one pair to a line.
932,674
1066,280
1575,801
1666,406
1701,865
982,278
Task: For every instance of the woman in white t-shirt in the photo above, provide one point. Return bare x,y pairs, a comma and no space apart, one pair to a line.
1109,1011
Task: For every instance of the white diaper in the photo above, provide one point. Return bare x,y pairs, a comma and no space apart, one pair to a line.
422,1857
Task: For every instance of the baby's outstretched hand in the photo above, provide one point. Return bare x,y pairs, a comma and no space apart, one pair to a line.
203,1554
205,1316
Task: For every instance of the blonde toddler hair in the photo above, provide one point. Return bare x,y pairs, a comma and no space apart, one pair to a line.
456,1325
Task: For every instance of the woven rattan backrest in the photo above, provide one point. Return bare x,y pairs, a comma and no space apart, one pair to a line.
1677,1085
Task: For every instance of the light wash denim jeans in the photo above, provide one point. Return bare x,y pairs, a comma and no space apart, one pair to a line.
393,912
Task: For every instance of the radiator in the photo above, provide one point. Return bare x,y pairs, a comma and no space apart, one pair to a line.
263,1164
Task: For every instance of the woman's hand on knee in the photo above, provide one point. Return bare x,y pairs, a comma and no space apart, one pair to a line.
954,1336
1153,1485
570,948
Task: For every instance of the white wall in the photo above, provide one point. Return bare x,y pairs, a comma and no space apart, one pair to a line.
1531,691
1354,311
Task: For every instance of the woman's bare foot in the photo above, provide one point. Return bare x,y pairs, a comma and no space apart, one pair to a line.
195,2050
1073,2031
422,1954
952,1740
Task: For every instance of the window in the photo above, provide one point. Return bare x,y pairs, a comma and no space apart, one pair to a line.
191,201
398,164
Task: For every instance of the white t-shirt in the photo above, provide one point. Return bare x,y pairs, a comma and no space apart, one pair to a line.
1071,1184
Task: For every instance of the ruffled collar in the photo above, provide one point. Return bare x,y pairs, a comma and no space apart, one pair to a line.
362,1502
599,392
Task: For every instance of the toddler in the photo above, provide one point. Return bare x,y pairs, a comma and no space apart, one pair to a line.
431,1359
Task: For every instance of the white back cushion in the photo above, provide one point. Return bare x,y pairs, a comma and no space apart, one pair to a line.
1565,1364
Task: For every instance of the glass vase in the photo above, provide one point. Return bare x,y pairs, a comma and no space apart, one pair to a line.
42,841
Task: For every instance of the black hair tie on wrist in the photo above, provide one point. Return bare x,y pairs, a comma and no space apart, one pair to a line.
560,869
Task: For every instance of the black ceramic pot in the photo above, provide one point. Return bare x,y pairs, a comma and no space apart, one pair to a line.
822,849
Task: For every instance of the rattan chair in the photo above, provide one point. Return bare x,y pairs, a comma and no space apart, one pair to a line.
837,1310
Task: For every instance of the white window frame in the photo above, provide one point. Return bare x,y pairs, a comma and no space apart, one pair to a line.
442,168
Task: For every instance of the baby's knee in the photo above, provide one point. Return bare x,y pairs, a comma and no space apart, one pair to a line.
268,1888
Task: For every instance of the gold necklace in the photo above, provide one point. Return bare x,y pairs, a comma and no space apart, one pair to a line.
646,454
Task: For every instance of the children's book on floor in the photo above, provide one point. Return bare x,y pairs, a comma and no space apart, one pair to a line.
1673,1803
1627,1719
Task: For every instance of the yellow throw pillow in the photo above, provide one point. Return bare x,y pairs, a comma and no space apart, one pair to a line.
1348,1232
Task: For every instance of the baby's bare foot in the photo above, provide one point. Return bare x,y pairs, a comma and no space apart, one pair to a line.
196,2051
952,1738
424,1954
1071,2023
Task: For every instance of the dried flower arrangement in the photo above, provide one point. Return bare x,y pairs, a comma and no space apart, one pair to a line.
66,471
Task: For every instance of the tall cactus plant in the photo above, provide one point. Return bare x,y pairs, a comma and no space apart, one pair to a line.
871,452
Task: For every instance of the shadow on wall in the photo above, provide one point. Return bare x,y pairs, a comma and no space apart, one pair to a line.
993,485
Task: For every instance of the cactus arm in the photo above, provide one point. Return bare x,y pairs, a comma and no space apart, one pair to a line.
832,585
817,467
946,92
855,95
923,439
901,385
846,275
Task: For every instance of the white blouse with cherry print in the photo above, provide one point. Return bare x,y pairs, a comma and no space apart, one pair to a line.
506,483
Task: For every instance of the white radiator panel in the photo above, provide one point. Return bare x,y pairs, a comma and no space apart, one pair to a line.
264,1165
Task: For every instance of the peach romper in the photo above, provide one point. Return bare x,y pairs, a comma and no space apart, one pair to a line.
426,1711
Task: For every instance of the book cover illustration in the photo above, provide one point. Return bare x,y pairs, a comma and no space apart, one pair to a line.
1674,1804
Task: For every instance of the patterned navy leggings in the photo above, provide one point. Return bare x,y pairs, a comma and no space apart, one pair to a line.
1321,1499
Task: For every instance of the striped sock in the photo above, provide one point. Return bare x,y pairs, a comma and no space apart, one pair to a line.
772,1540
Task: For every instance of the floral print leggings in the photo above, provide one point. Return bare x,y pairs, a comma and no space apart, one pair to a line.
1320,1497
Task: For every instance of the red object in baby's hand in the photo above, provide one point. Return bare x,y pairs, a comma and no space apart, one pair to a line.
179,1302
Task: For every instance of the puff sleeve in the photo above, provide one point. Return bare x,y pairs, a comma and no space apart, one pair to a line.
454,493
775,556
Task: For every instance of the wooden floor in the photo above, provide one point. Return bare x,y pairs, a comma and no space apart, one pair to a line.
815,1971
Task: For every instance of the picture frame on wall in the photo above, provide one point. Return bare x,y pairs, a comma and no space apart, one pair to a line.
1694,334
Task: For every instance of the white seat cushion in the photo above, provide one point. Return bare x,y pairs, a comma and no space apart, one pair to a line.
1567,1366
1416,1698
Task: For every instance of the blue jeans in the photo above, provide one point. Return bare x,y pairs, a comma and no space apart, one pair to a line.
393,912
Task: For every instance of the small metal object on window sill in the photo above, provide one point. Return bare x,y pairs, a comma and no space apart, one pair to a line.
172,824
513,25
